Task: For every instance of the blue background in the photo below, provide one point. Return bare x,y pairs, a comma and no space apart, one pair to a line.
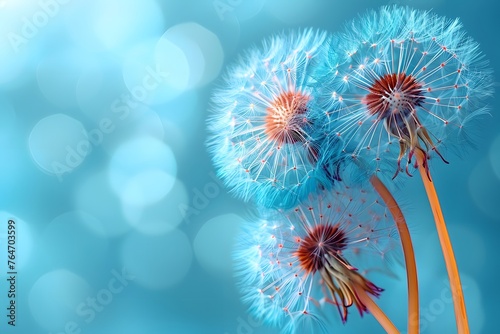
104,168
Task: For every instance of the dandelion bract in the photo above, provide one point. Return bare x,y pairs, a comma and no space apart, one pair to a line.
262,137
292,263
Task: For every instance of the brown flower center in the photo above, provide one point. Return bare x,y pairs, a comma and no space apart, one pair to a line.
320,251
394,98
286,117
321,240
394,94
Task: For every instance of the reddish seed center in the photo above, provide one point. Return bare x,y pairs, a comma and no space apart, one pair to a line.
286,117
321,240
394,93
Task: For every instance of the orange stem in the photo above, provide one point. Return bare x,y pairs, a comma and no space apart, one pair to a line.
409,255
376,311
444,238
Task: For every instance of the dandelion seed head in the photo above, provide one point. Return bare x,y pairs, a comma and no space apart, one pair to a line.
294,264
262,137
414,78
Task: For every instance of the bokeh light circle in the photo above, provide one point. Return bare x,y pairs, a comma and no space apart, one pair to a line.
155,71
157,262
201,47
58,144
213,245
55,296
161,217
142,170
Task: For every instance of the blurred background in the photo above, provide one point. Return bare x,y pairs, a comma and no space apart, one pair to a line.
122,226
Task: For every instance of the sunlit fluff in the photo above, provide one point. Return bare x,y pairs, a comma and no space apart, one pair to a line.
399,80
298,264
261,135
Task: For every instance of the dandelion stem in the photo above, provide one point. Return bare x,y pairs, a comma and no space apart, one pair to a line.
409,255
376,311
444,238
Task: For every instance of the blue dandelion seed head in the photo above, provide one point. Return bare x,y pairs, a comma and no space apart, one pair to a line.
398,80
283,285
263,139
